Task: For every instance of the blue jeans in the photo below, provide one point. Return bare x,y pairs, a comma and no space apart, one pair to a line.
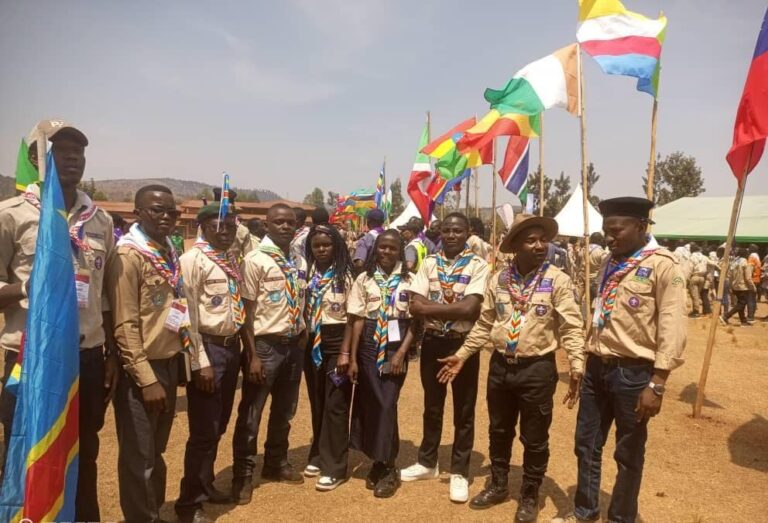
609,393
751,304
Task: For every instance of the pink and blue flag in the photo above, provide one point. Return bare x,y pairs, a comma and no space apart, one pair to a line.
40,478
622,42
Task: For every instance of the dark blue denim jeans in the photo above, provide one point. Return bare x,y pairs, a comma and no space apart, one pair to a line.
609,393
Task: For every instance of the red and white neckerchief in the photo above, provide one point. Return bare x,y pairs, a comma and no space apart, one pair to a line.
76,229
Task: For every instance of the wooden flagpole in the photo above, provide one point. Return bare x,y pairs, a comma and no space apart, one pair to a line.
477,189
494,243
469,184
541,164
717,306
42,151
652,161
584,180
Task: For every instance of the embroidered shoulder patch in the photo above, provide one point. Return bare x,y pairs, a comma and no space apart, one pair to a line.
545,285
465,279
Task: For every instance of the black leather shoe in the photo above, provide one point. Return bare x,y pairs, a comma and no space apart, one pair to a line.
198,516
528,509
242,490
388,484
218,497
284,474
491,495
374,475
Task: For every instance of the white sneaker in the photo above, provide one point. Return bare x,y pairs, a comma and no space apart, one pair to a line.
459,488
326,483
311,471
418,471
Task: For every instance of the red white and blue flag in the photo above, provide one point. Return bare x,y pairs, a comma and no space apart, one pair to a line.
751,126
514,171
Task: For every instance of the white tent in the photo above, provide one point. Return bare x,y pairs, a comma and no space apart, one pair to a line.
570,220
410,211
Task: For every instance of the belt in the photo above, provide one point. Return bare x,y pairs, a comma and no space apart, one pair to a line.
449,335
278,339
516,359
221,341
623,361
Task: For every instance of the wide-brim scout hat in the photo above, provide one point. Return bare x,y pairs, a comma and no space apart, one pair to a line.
523,222
55,129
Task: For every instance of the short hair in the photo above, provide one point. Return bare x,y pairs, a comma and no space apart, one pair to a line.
477,225
155,187
279,206
117,220
597,239
695,247
459,216
252,224
320,215
301,214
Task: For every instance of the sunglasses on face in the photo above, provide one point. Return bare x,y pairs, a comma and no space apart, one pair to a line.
158,212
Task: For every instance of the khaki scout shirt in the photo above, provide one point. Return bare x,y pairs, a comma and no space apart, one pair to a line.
206,288
648,320
264,284
471,281
597,256
740,274
553,315
333,306
244,242
365,298
478,246
19,222
140,300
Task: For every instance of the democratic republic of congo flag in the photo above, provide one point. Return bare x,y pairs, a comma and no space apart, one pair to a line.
40,478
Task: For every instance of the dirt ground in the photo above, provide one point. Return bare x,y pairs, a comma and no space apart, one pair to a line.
697,470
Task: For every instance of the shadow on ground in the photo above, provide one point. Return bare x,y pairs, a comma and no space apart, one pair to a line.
748,444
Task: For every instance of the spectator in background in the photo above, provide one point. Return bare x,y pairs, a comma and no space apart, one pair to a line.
415,249
740,276
374,219
433,233
697,282
597,254
320,215
299,242
119,226
754,294
476,242
177,239
257,228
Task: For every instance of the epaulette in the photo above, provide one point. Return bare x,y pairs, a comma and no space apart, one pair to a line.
13,201
667,254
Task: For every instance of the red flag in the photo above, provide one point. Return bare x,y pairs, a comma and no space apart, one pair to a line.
751,128
421,174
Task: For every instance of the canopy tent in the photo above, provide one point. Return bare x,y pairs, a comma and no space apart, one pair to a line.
570,220
411,211
708,217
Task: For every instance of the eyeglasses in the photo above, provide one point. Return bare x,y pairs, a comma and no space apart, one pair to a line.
157,212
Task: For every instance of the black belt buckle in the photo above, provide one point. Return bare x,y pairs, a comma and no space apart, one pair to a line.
230,340
513,359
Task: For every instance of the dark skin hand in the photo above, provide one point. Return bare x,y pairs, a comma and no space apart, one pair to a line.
397,361
154,398
574,391
357,330
649,403
256,373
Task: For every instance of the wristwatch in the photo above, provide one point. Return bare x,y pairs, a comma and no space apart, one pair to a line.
657,388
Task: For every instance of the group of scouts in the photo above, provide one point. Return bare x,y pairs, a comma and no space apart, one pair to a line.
295,302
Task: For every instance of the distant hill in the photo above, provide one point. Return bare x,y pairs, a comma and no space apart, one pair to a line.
123,189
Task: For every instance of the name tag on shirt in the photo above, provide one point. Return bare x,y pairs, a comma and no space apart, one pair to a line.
178,315
545,285
82,287
393,331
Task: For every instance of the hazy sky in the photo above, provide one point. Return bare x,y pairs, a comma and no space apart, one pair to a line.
291,94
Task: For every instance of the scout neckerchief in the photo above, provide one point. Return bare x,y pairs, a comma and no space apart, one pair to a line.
387,287
227,263
317,287
291,280
76,233
520,291
168,269
614,273
447,281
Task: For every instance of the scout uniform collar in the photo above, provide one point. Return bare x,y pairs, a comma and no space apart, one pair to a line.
82,203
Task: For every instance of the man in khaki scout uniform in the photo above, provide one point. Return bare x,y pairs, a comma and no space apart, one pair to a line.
244,241
637,337
145,291
529,309
447,293
740,279
212,288
92,241
275,336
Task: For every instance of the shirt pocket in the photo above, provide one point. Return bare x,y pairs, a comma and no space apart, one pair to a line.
156,295
96,258
215,295
540,309
274,291
335,305
401,308
635,312
503,306
372,306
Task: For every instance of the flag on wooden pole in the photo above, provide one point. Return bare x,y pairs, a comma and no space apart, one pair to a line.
421,175
514,170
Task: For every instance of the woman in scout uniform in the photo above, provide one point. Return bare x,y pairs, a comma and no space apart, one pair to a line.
529,309
447,293
212,287
381,336
145,291
327,355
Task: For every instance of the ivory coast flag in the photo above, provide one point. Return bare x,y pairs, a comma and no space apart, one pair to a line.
549,82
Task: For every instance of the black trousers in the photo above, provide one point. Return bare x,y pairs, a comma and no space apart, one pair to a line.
208,416
740,307
329,404
283,364
525,391
92,410
464,388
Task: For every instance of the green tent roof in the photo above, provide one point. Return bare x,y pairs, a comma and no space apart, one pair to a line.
707,218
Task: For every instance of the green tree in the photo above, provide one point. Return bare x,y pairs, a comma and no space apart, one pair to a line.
332,199
315,198
561,190
533,189
677,176
592,179
398,205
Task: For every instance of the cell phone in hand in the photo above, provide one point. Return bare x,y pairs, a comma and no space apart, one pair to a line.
338,379
386,368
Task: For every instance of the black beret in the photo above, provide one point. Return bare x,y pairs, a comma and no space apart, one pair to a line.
630,206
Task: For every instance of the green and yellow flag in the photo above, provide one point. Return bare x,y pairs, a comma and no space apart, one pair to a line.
25,171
